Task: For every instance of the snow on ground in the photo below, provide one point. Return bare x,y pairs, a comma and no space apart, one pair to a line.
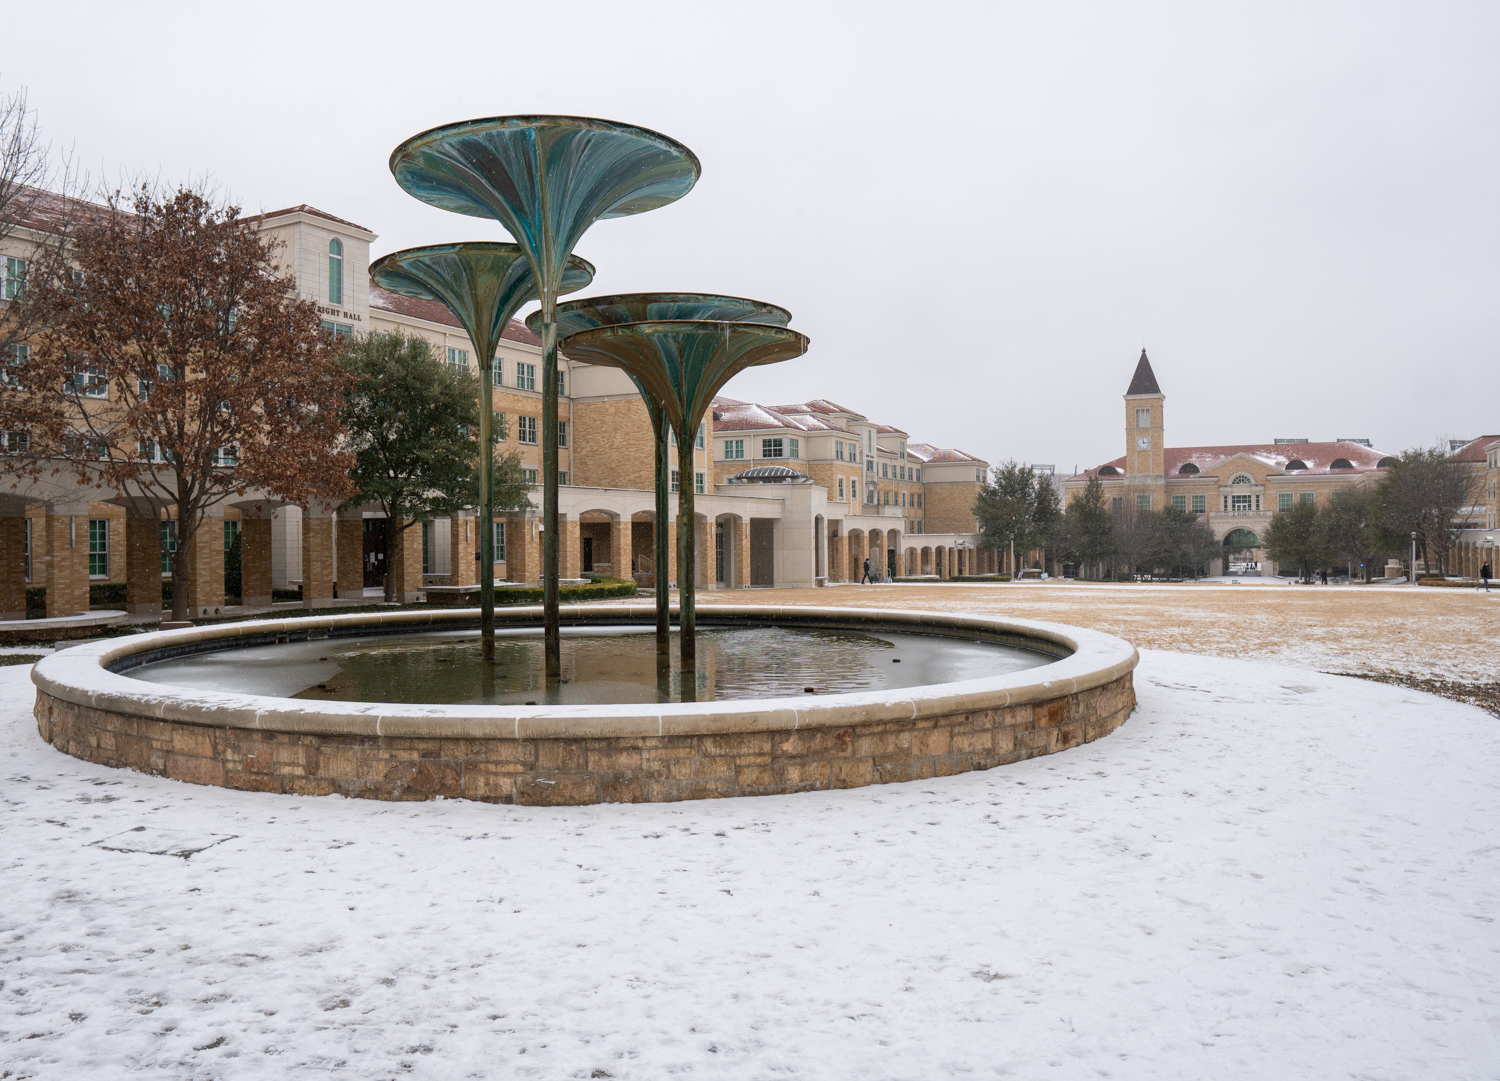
1266,873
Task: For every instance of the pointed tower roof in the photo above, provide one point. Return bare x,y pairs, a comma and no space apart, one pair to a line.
1144,380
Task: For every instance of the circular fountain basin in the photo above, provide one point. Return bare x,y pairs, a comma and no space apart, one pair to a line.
183,704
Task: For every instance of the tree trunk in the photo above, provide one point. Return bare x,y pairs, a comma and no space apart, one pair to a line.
180,567
392,540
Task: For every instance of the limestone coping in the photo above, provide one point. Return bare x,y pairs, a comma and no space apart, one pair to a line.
82,676
102,617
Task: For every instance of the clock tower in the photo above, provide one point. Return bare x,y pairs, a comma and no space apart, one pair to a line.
1145,442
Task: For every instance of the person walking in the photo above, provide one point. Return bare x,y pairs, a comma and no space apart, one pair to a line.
1484,576
866,579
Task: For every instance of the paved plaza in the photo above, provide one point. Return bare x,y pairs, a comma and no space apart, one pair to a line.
1267,872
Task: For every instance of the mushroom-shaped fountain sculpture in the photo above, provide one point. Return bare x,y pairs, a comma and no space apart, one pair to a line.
587,313
546,179
682,364
483,285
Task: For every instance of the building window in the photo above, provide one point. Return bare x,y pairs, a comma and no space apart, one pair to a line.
1239,504
903,450
499,542
528,476
562,433
497,371
795,451
675,475
14,278
1179,502
771,448
734,448
227,456
1117,505
841,488
979,476
335,271
15,442
838,450
337,330
168,545
90,379
498,430
919,475
1241,478
15,357
698,483
1307,497
562,384
1283,500
1200,504
98,547
1143,418
869,465
702,441
526,430
885,469
853,490
1143,502
885,498
458,359
562,477
231,532
919,500
525,376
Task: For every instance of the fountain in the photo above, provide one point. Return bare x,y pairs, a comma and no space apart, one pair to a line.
415,704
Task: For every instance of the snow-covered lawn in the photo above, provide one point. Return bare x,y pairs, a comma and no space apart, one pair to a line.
1266,873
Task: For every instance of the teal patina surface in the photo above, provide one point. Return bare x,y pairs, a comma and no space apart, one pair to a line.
546,179
680,365
577,316
483,285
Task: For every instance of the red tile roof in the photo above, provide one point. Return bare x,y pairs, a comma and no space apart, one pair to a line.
303,208
819,405
927,453
434,312
48,212
1317,456
1474,450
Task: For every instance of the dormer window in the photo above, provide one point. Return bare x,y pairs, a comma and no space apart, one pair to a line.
1296,463
336,271
1341,463
1108,471
1188,469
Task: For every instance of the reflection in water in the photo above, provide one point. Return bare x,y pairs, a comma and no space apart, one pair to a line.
600,665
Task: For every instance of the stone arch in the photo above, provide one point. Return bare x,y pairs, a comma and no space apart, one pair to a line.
925,555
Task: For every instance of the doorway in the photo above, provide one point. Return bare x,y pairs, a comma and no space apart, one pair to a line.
374,533
588,555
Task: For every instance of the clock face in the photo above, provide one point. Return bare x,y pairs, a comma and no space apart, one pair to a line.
1143,442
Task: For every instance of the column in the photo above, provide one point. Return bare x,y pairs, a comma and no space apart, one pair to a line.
463,543
570,557
408,568
523,558
706,569
349,560
13,566
671,531
255,561
64,565
206,566
620,550
742,552
317,558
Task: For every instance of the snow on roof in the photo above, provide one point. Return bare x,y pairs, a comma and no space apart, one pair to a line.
1318,457
818,405
1474,449
886,429
48,212
747,416
928,453
434,312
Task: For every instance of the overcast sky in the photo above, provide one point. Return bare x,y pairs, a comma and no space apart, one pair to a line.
978,212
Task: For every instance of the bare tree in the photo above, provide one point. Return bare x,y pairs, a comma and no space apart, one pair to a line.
38,212
1423,493
183,370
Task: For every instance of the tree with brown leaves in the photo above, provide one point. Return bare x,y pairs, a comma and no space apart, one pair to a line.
184,370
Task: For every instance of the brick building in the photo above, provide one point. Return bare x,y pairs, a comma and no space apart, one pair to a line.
850,489
1234,489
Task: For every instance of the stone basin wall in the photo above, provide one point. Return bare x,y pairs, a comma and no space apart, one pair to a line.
566,755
